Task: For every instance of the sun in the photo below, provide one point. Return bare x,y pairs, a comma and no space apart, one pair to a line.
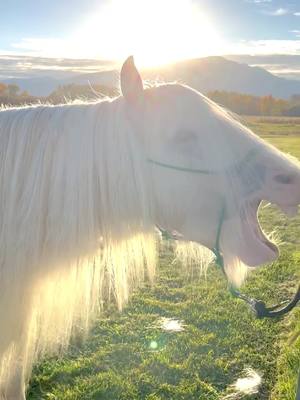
154,31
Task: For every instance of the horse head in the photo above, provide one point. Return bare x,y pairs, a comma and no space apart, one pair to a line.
208,173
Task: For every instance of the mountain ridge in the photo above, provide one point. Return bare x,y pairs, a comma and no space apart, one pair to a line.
203,74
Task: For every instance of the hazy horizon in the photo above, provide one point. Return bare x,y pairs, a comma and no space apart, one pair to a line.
24,66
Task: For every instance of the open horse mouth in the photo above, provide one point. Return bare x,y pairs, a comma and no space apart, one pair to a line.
256,248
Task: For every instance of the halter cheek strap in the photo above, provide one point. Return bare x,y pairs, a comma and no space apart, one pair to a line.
258,306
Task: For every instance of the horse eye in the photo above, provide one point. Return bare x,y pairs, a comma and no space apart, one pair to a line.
186,136
284,179
185,142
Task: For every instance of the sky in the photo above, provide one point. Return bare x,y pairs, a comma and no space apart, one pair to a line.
156,31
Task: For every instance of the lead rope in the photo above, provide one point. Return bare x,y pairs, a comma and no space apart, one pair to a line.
258,306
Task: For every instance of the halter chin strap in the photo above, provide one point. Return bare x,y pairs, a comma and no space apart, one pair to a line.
257,306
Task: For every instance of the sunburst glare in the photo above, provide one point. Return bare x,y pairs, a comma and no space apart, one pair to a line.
155,31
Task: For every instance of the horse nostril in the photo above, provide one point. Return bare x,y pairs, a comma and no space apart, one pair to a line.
285,179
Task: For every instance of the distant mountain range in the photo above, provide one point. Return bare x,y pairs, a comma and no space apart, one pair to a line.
203,74
283,65
219,73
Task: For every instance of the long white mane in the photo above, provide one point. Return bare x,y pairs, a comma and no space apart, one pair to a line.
75,222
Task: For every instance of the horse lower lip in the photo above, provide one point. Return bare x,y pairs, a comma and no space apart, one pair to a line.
258,230
270,245
256,249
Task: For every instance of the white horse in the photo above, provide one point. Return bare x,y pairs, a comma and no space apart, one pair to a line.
82,188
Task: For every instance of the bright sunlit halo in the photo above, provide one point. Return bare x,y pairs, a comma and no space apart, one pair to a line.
154,31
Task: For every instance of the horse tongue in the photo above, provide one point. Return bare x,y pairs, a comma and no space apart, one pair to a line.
290,211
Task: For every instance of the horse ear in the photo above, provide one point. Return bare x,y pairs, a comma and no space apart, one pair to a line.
131,81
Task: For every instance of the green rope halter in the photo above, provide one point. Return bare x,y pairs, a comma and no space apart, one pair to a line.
258,306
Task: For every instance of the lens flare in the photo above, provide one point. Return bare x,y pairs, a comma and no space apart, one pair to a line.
153,345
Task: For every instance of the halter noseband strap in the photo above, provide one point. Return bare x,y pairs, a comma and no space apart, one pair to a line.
182,169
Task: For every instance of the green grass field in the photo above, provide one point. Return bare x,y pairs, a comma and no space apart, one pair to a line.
129,357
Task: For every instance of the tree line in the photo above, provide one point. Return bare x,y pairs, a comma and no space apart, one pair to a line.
245,104
239,103
11,95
